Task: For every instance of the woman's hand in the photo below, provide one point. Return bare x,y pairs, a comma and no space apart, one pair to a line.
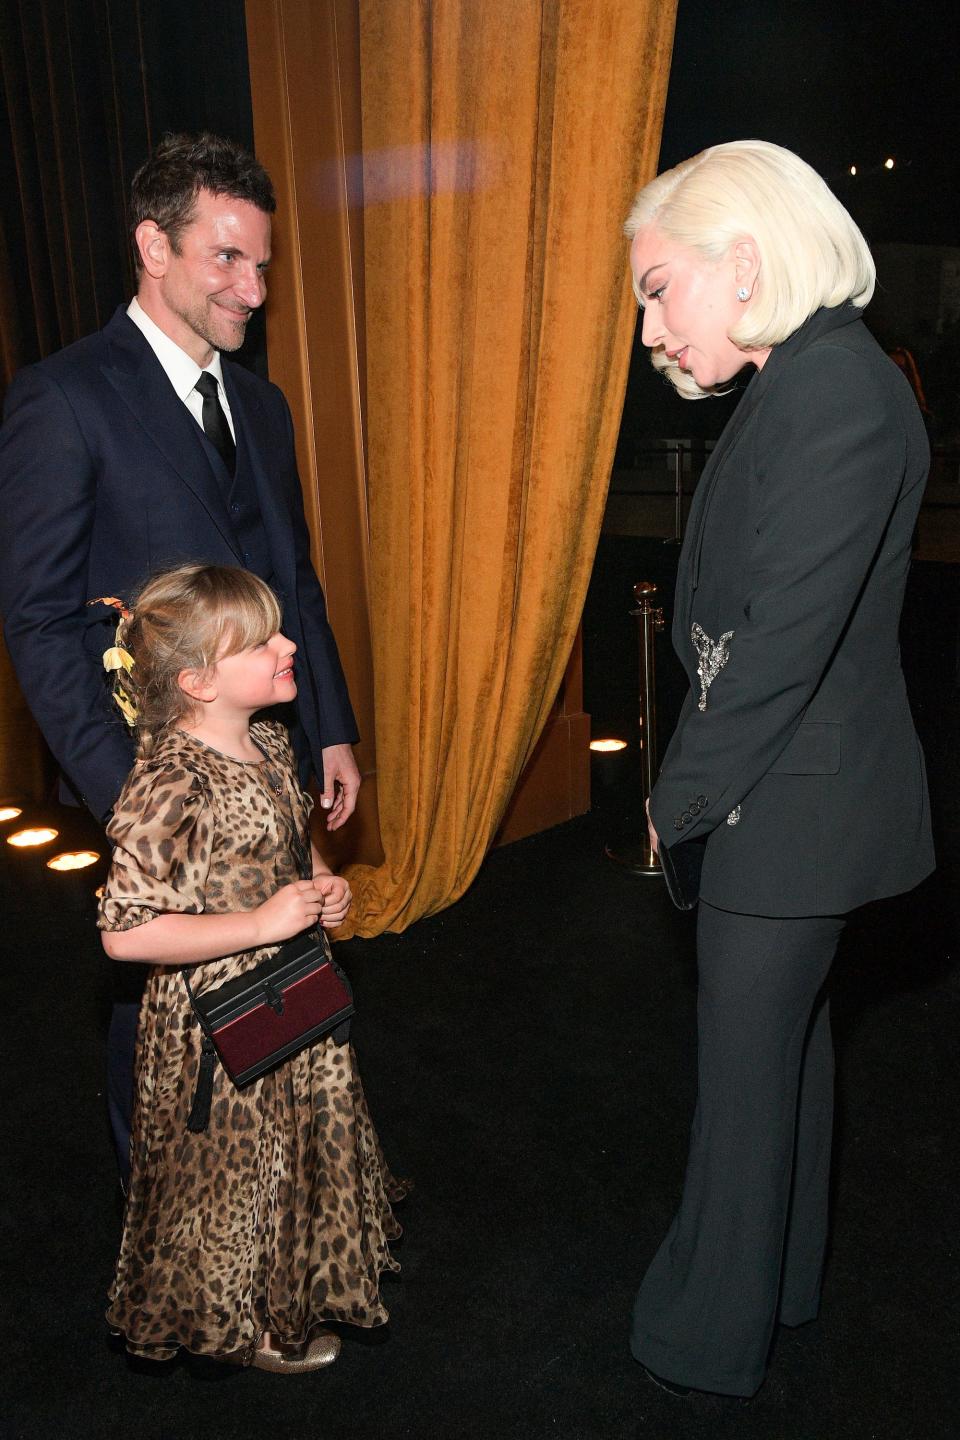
294,908
654,837
336,900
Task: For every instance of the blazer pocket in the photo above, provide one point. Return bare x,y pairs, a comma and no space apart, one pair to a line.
814,750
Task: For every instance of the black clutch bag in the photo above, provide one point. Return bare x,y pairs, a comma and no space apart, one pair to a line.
681,866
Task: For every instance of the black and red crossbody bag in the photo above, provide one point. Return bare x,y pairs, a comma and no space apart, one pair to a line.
259,1019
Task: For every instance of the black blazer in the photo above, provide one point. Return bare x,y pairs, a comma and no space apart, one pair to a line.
105,477
795,755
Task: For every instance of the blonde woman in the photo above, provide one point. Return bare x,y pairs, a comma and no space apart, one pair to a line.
795,776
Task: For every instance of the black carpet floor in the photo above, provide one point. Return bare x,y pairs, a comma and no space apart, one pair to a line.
528,1055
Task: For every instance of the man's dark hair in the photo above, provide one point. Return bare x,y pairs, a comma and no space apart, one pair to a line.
166,186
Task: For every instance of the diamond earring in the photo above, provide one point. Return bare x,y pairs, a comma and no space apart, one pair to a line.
743,294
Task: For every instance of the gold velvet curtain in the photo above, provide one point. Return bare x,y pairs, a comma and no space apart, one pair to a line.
501,153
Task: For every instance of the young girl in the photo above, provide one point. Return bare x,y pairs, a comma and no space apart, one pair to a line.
240,1240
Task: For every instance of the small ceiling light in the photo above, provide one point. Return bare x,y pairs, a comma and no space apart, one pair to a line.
888,163
607,745
73,860
99,893
10,812
853,169
39,835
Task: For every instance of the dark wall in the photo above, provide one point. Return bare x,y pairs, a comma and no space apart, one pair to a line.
839,85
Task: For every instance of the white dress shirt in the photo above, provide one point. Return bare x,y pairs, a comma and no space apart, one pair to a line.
182,372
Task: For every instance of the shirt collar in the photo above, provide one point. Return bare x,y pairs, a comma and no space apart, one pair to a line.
182,372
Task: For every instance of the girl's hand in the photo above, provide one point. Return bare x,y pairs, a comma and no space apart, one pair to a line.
294,908
336,900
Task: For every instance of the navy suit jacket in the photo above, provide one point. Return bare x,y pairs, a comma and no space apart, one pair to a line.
802,771
106,478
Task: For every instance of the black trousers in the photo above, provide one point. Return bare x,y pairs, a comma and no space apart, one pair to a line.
128,983
746,1248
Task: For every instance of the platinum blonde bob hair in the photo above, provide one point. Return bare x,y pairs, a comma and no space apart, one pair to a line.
811,252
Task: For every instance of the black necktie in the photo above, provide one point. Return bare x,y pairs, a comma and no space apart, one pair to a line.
215,421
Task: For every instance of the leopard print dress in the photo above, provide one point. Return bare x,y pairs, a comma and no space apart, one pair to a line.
278,1216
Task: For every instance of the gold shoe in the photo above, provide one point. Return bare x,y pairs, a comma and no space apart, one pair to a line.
322,1350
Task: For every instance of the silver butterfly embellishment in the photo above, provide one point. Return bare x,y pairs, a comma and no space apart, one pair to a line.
712,655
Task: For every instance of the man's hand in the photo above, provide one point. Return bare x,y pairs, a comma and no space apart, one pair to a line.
651,832
341,782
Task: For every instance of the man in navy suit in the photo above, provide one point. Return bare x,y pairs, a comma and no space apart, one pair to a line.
140,447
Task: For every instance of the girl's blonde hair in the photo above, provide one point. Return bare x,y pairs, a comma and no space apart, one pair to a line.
811,252
188,618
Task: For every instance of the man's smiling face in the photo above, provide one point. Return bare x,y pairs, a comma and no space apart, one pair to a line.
211,284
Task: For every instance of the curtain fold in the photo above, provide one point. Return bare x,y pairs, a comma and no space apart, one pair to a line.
500,160
65,73
64,256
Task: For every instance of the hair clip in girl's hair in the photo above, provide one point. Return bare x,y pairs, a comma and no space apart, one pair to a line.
114,603
118,661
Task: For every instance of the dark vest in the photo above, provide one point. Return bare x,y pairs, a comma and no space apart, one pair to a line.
243,506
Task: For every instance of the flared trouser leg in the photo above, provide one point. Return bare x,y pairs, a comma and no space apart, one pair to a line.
753,1215
805,1242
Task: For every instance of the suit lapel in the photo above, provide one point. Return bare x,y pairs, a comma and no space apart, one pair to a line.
688,570
253,435
139,379
724,448
688,573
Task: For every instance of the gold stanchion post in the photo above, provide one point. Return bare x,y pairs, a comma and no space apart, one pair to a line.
636,855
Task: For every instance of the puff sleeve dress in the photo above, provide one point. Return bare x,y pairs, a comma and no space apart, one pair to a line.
278,1216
